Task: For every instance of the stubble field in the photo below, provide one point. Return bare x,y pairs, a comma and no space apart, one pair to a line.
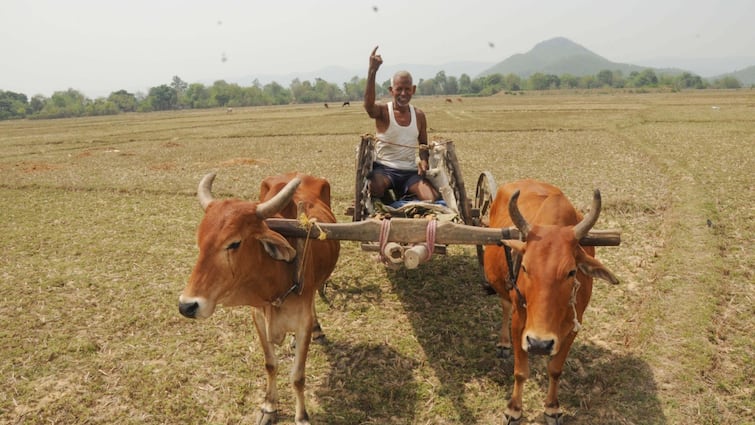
98,239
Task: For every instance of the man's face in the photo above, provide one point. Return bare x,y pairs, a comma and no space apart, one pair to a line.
402,91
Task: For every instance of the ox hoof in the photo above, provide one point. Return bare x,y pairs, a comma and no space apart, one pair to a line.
510,420
266,418
503,352
556,419
320,339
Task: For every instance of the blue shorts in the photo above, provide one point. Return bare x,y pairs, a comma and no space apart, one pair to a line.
401,180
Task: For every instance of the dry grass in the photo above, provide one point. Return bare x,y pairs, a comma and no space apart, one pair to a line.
98,239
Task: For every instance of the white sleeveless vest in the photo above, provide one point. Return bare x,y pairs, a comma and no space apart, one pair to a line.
397,146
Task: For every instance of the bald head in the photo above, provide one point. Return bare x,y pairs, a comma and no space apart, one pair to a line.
401,74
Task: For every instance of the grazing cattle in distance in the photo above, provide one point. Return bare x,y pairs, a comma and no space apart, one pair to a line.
326,105
449,100
243,262
229,110
550,285
347,103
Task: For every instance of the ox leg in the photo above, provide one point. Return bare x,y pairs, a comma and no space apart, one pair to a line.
503,348
553,413
269,407
318,335
521,373
303,337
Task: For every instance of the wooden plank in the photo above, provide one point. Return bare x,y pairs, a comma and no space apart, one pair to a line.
413,230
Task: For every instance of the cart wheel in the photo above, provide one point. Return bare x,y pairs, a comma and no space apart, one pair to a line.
457,183
363,168
484,196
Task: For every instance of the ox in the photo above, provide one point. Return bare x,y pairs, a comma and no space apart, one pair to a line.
243,262
546,280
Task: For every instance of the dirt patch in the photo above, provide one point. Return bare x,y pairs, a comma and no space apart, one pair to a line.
37,167
244,161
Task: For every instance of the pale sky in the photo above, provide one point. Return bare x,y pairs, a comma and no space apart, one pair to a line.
101,46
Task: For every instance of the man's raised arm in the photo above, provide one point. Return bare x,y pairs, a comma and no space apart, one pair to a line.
373,110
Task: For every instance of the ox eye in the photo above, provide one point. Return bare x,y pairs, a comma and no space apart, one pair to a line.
571,274
233,246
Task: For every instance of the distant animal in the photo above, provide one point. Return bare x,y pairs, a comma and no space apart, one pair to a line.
547,284
458,99
448,100
243,262
346,104
326,105
229,110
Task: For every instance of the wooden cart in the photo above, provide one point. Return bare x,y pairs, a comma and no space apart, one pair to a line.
405,239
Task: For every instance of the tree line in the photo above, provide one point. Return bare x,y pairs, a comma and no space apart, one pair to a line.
180,95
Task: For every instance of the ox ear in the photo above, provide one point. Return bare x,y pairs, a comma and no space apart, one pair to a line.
514,244
592,267
277,246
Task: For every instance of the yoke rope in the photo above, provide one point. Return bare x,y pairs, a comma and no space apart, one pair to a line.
432,227
385,229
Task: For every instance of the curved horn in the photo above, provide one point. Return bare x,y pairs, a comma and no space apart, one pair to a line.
204,191
584,226
276,203
516,216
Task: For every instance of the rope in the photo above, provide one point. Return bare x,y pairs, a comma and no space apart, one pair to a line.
385,229
432,227
573,304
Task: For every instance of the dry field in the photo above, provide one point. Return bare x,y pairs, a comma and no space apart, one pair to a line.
98,226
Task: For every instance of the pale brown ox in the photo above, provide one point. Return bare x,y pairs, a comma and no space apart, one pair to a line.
554,280
242,262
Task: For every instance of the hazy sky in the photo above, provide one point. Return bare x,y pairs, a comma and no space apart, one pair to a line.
100,46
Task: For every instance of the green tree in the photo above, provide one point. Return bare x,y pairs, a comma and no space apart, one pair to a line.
465,84
605,78
123,100
196,96
69,103
13,105
162,98
727,82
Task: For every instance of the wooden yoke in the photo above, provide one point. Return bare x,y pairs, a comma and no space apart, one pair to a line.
411,230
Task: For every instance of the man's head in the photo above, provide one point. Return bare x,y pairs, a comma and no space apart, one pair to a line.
402,88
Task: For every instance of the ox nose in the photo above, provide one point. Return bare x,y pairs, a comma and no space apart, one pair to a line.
539,346
189,309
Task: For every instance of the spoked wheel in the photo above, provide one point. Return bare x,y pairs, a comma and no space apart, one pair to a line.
363,168
484,196
457,184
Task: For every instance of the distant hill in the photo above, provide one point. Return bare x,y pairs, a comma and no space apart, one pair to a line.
745,76
556,56
560,56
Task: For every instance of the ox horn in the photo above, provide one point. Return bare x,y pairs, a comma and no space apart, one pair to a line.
276,203
516,216
204,191
584,226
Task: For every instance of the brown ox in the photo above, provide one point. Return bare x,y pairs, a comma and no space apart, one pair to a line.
554,281
242,262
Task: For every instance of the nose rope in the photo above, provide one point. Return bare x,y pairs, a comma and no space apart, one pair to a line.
573,304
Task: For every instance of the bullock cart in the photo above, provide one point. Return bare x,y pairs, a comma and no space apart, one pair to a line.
408,233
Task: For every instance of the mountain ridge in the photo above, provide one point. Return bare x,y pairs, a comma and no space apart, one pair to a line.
557,56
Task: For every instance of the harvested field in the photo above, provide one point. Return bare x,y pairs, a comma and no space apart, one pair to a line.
99,220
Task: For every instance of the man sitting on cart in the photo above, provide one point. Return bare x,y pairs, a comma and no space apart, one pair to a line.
400,129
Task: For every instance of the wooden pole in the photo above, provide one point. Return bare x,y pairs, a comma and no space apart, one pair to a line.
413,230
